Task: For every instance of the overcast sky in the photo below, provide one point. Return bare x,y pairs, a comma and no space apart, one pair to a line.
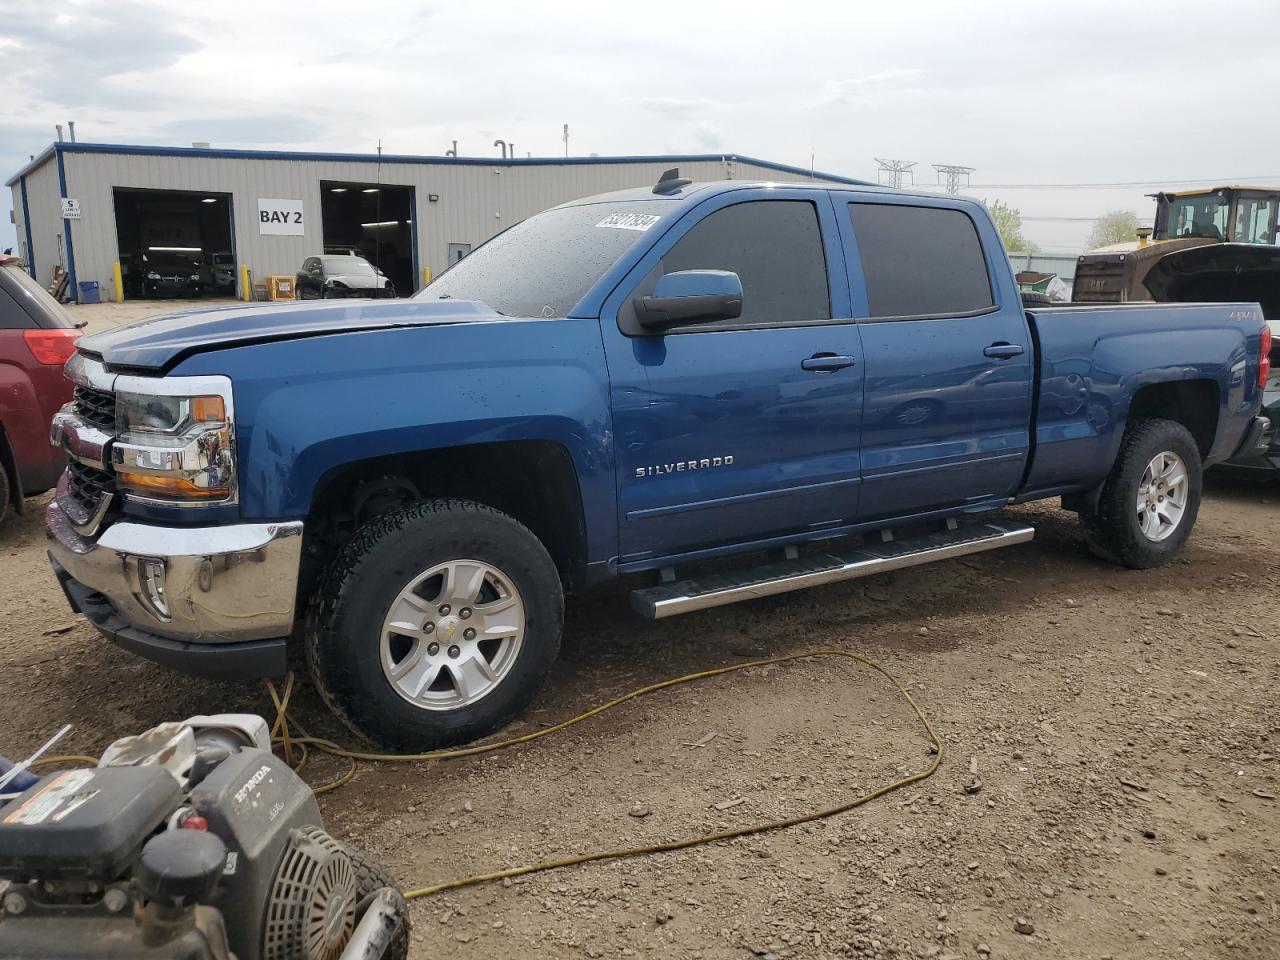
1026,93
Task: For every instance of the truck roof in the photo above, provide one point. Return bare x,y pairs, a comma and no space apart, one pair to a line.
707,188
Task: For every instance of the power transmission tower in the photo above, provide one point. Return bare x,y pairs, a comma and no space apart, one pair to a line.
891,172
953,174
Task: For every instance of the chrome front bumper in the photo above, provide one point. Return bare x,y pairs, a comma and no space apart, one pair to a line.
179,595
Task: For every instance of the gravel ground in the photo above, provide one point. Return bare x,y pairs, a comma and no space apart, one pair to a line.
1116,731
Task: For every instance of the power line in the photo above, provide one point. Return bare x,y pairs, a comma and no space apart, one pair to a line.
1133,184
891,172
1077,219
953,174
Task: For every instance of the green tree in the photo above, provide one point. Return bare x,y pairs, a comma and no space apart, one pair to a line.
1116,227
1008,222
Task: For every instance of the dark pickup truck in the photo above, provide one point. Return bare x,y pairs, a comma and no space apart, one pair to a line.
821,382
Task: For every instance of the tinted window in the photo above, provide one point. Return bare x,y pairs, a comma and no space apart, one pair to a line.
775,248
542,266
920,261
25,303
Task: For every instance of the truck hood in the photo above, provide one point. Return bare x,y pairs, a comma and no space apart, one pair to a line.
157,343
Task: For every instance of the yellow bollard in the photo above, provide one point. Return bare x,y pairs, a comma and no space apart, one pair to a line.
117,280
426,276
246,289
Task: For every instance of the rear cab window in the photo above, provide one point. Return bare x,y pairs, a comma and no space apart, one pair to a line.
920,261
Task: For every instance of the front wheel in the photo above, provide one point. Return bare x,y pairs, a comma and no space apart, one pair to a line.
436,625
1150,501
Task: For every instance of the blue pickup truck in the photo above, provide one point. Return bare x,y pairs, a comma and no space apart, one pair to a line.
797,383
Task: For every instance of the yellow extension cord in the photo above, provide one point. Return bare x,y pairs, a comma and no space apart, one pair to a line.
283,736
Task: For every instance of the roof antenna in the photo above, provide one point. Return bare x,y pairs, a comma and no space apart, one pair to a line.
671,182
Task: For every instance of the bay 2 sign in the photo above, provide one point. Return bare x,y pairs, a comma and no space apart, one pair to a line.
281,218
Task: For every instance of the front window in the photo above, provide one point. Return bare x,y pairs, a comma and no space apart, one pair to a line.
542,266
1255,220
348,267
1204,215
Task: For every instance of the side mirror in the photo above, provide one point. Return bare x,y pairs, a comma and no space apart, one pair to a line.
691,296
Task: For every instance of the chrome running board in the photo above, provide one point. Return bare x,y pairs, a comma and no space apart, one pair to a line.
718,589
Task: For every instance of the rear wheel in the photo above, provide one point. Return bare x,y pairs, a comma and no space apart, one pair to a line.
436,625
1150,501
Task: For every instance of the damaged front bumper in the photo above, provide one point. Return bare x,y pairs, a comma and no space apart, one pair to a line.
216,602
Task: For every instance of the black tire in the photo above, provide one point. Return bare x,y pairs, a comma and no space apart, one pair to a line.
371,876
355,594
1033,298
1112,529
6,491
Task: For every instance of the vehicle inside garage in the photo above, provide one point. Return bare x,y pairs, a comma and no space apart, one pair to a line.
174,243
374,221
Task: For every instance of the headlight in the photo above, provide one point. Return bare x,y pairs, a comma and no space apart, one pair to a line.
195,276
153,275
177,446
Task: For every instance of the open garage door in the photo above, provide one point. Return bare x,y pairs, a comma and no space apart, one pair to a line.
175,243
374,221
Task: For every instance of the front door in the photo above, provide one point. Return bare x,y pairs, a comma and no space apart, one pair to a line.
745,429
949,358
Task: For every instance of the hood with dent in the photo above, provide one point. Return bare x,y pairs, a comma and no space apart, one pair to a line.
157,343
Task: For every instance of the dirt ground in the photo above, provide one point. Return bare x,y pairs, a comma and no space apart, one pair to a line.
1123,727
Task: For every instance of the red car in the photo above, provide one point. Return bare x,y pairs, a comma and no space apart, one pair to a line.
36,338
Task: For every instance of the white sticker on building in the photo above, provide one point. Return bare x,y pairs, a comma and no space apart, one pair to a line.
629,221
282,218
70,208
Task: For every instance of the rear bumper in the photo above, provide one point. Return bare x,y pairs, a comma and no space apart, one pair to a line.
212,601
1260,449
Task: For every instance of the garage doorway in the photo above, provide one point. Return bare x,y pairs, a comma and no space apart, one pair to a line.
374,221
175,243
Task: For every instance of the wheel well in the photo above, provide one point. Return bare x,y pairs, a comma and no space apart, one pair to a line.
1192,403
533,481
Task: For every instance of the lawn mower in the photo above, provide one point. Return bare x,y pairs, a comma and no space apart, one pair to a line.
191,841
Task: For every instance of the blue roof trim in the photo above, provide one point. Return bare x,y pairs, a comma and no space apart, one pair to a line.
68,244
122,148
26,225
39,160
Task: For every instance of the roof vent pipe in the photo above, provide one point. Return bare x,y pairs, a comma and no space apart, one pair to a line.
503,145
71,129
58,127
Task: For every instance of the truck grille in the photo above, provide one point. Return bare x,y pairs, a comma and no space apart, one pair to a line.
97,407
88,485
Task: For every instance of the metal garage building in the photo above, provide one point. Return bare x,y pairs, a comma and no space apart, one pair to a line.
100,210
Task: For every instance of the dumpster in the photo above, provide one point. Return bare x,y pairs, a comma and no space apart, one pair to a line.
89,292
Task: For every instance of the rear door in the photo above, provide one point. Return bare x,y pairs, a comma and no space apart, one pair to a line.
948,353
745,429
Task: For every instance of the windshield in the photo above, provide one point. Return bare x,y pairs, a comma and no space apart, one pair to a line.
544,265
170,260
1204,215
350,266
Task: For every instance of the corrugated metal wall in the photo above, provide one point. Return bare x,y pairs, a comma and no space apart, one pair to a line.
474,203
44,201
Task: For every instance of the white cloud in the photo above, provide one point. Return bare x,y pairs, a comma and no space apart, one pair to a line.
1073,91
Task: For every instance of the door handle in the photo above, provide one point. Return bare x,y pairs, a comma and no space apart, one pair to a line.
1003,351
826,363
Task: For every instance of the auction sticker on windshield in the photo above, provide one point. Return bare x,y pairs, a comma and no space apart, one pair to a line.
630,221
